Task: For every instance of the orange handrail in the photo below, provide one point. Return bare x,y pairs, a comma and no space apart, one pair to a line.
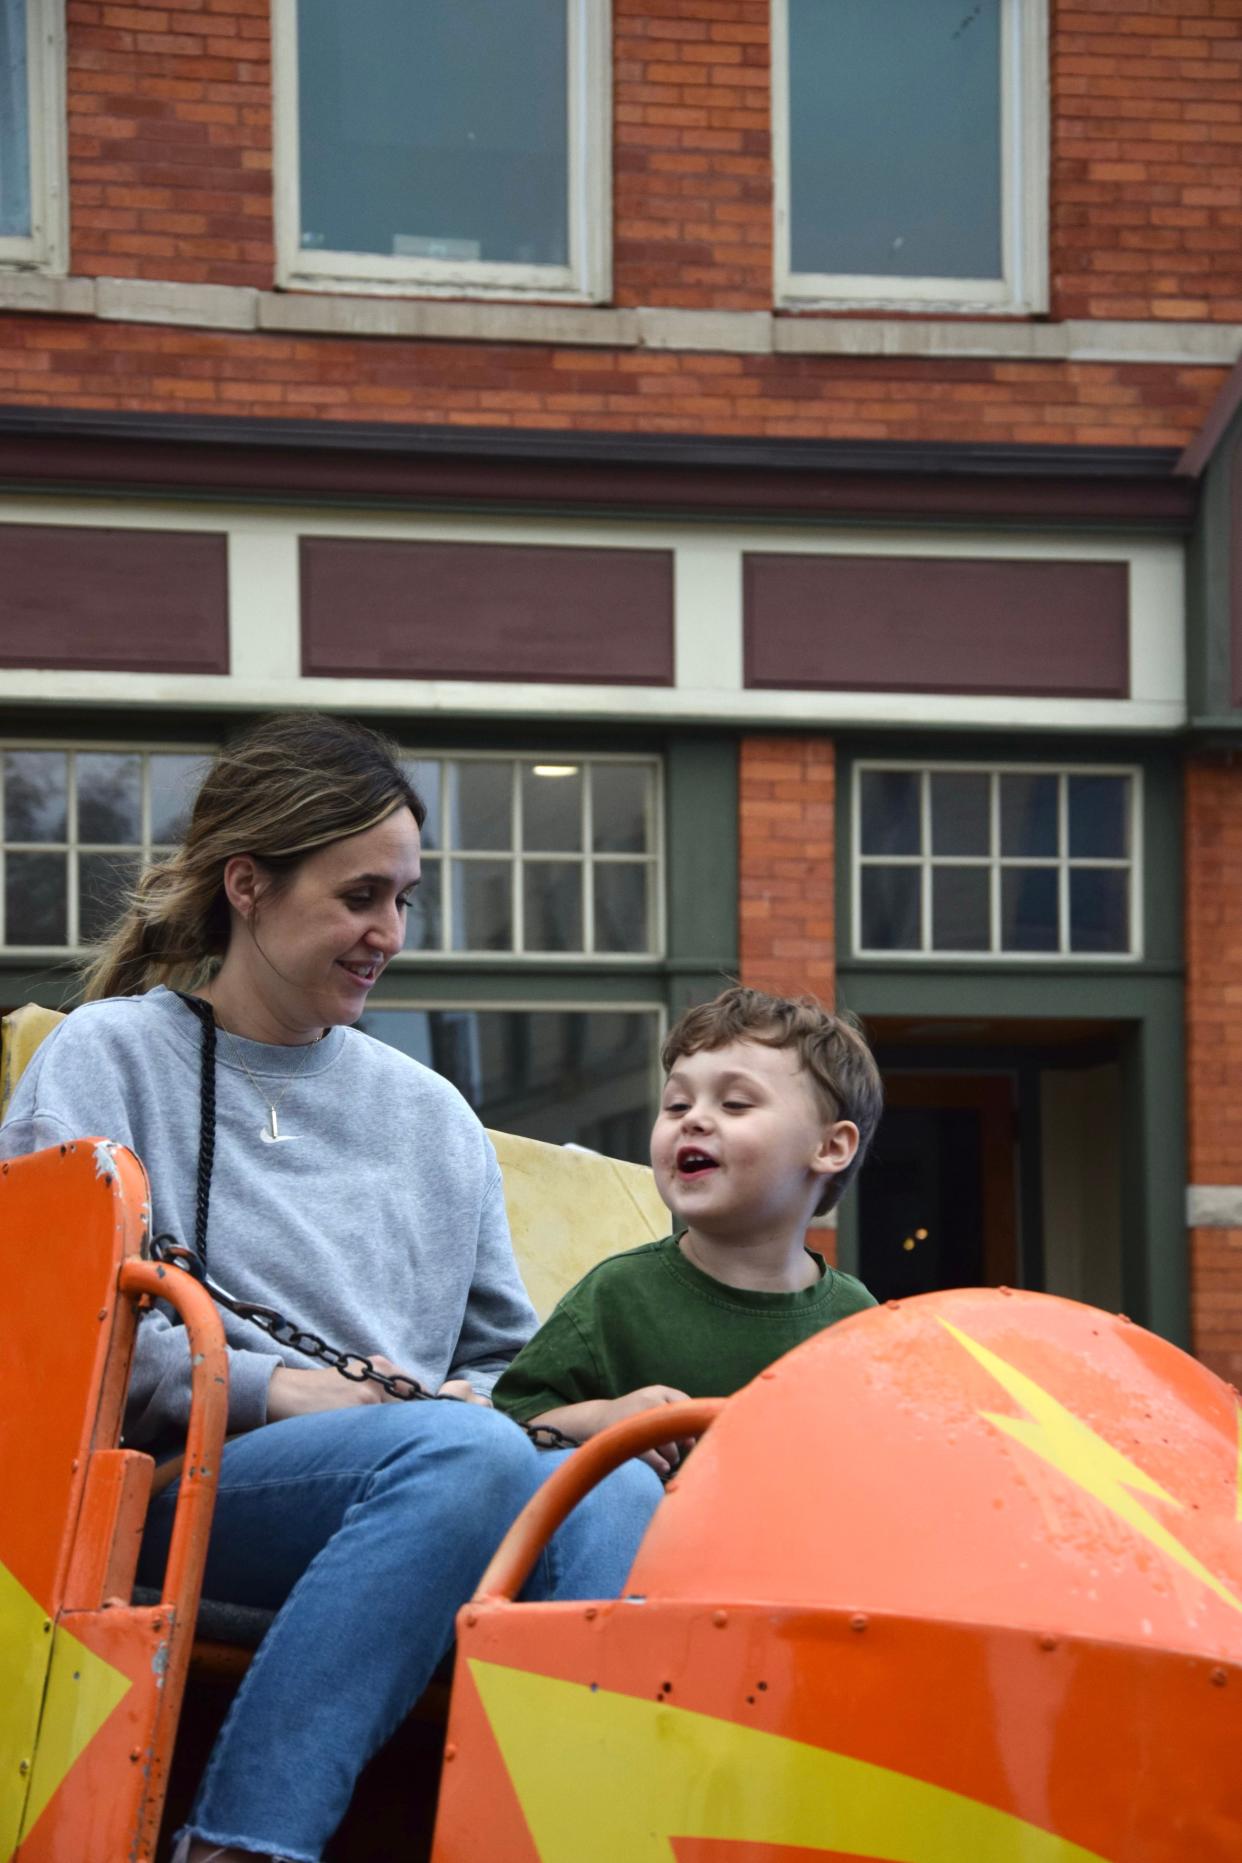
515,1557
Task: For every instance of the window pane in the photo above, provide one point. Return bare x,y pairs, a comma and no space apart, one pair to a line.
108,797
427,778
433,131
424,922
622,921
103,880
1029,816
482,905
961,918
174,784
891,909
480,805
552,808
890,812
1099,909
35,910
621,796
34,796
961,813
1029,909
1099,817
552,903
895,151
14,122
564,1076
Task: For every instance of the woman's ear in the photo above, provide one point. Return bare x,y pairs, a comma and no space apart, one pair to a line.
243,884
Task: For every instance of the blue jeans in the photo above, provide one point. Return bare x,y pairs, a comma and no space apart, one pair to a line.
366,1529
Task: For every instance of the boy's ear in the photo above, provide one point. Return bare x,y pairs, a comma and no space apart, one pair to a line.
837,1148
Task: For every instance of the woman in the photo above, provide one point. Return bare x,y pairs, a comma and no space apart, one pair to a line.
338,1181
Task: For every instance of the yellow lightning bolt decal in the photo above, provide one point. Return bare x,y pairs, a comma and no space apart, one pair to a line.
1058,1437
616,1778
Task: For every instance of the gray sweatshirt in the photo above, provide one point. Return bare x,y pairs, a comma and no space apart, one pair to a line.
378,1224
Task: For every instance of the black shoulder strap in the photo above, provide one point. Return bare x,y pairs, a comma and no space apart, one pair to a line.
206,1118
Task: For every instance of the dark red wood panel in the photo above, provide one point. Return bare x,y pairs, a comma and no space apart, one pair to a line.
113,600
1027,628
398,610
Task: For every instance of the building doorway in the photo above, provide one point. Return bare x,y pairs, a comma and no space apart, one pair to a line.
998,1161
940,1208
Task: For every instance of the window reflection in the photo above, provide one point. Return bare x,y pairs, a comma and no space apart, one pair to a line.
565,1076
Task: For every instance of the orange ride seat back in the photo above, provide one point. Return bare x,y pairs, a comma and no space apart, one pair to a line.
91,1684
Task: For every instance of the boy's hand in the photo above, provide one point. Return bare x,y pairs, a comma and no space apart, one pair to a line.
588,1419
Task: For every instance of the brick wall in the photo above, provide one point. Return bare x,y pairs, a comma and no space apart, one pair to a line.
1214,1046
786,875
170,140
1147,158
171,178
787,788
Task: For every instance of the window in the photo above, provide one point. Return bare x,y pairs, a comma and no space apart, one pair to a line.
911,141
1022,861
538,857
582,1076
78,826
32,134
445,149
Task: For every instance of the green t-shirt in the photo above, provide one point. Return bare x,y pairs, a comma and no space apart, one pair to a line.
649,1316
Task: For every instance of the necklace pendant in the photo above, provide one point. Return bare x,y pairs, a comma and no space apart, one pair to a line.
274,1135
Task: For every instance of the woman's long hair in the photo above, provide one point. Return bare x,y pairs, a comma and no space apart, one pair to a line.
285,787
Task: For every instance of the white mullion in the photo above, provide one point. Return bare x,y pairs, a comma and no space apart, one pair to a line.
994,852
144,807
1063,864
1136,942
925,846
448,879
72,928
587,820
657,923
517,860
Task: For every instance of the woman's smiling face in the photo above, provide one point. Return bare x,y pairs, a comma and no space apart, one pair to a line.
313,948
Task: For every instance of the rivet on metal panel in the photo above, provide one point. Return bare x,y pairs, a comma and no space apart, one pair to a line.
1047,1642
23,1767
670,1487
471,1619
450,1753
768,1375
1125,1319
135,1755
1219,1677
590,1612
894,1304
103,1313
858,1622
1004,1290
720,1619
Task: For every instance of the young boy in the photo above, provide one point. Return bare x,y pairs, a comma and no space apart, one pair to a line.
769,1106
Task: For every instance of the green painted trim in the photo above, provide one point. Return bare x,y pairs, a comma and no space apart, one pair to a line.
1155,1263
701,867
1209,576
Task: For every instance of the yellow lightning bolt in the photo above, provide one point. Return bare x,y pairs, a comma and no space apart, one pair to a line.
1062,1439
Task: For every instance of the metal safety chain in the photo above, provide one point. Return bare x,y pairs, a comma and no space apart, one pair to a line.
356,1366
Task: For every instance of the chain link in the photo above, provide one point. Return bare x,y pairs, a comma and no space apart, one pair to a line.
356,1366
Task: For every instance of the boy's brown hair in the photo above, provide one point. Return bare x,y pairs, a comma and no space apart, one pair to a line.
832,1049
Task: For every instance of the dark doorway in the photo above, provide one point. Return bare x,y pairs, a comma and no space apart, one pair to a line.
938,1196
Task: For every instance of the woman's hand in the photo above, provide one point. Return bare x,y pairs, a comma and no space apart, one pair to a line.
296,1393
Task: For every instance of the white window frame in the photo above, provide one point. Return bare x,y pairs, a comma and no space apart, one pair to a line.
1063,864
46,247
1023,287
652,862
72,846
587,276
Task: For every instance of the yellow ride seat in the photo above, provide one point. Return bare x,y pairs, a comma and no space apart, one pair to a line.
567,1209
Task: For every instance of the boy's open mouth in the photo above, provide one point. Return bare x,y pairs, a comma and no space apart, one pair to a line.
692,1163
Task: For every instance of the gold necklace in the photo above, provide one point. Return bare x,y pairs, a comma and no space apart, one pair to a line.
272,1135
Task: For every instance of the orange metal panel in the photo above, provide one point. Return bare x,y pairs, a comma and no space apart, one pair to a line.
960,1578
